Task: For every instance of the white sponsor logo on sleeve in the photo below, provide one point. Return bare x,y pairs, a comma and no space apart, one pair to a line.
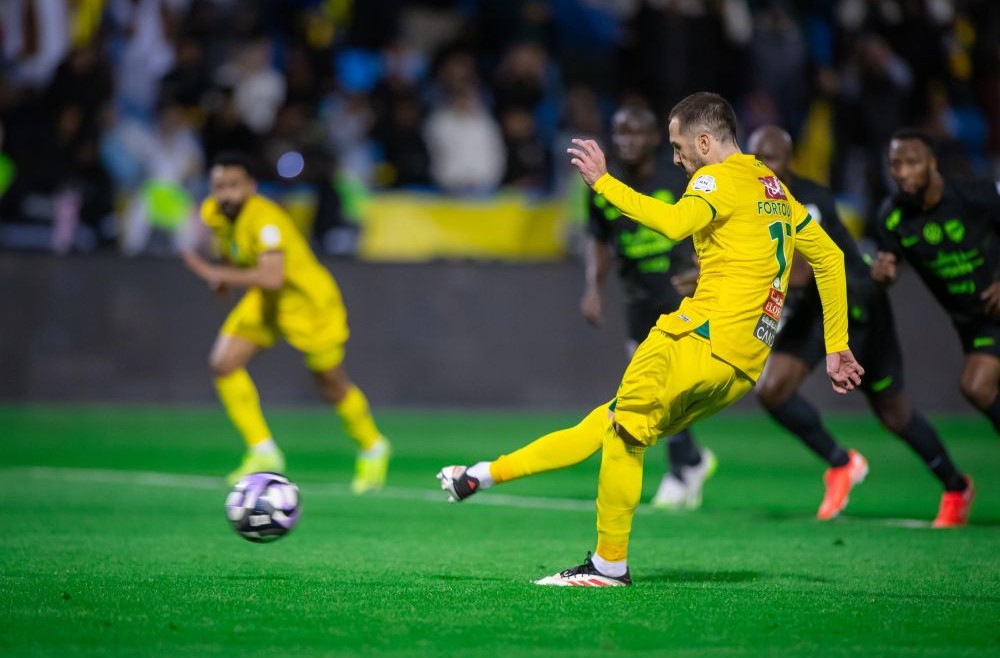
704,184
270,236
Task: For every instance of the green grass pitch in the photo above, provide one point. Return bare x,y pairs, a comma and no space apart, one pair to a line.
116,543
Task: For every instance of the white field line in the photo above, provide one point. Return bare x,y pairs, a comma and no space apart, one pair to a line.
183,481
205,482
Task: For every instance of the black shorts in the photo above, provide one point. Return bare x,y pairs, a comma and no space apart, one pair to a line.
980,337
872,336
641,314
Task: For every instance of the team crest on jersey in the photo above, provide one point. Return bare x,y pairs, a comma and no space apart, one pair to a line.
773,188
704,184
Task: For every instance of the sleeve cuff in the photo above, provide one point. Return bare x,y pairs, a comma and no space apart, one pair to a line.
601,183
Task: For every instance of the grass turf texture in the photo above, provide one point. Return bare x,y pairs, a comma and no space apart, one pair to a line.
102,559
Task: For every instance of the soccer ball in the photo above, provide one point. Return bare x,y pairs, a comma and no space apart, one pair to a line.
263,507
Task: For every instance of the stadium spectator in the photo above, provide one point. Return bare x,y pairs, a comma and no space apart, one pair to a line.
464,141
839,75
172,161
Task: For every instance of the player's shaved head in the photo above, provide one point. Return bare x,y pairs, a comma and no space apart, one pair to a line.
706,112
772,146
634,134
639,115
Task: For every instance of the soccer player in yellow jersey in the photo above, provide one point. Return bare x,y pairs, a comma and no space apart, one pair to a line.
707,354
289,295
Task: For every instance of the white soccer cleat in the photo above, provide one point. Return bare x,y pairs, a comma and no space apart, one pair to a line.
677,494
585,575
457,482
672,494
696,476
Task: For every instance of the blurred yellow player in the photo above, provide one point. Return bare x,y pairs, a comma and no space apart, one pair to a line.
289,295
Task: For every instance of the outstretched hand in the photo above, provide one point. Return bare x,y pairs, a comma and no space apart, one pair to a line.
991,299
588,158
844,371
884,268
592,308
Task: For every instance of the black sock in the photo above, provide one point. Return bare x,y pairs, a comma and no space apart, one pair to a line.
801,419
920,436
682,451
993,413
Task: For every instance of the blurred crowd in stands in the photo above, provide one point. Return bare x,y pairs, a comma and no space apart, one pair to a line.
111,109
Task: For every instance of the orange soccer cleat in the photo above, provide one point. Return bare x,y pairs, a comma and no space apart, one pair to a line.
955,506
839,481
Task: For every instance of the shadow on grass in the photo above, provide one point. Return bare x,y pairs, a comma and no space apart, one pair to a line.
695,576
461,578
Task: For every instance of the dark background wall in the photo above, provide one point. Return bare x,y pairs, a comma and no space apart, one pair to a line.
104,328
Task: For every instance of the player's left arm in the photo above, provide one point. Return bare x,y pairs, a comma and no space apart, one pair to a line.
827,261
676,221
269,273
991,296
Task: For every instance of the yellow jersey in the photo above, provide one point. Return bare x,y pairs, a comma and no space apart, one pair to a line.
745,227
263,226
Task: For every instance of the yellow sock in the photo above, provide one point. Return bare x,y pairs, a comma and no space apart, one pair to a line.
239,397
618,490
556,450
357,418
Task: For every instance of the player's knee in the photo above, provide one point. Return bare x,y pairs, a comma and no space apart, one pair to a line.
772,392
893,411
979,392
334,384
894,420
627,437
220,366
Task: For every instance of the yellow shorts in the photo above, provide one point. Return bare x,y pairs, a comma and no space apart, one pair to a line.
318,332
671,382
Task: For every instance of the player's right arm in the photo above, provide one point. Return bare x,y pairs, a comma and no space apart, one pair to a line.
268,273
598,259
597,266
676,221
885,269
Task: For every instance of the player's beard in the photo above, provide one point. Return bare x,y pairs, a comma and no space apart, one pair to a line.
231,209
696,164
914,199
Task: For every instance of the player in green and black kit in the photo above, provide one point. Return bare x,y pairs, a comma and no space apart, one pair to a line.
649,265
947,231
799,347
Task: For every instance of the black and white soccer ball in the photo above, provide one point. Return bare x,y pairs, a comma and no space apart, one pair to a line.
263,507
